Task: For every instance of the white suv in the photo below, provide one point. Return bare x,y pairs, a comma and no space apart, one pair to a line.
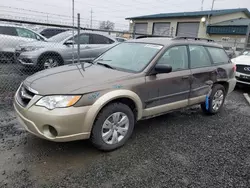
11,36
243,68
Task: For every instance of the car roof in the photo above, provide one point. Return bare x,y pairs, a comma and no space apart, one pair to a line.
90,32
165,41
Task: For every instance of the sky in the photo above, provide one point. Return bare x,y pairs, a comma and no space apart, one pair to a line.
60,11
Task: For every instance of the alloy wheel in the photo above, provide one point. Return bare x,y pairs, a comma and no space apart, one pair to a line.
50,63
217,100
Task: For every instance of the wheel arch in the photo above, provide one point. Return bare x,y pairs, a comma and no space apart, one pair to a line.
124,96
225,84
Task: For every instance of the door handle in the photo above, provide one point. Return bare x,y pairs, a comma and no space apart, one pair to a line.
185,77
87,47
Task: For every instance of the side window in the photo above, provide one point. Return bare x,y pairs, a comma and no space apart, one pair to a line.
21,32
83,39
176,57
8,31
99,39
218,55
199,57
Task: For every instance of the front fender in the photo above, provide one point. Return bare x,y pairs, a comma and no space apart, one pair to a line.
105,99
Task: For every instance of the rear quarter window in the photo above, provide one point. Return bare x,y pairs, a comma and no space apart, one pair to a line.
219,56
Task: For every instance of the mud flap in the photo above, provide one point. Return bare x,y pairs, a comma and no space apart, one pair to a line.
207,98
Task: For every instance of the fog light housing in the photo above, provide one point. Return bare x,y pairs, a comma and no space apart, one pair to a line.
50,132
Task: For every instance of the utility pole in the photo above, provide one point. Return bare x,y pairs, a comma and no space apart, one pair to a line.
91,18
213,5
73,33
212,8
202,2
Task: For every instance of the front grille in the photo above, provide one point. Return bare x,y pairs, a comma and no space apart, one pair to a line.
243,69
24,96
243,79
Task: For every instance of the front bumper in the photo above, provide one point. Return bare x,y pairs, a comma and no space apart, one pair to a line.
240,80
68,122
26,58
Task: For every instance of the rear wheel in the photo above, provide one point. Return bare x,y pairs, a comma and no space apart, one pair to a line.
216,100
113,127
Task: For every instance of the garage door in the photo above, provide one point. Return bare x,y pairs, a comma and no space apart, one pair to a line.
161,29
187,29
141,28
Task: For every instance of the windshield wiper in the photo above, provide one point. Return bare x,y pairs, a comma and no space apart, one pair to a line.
105,65
103,60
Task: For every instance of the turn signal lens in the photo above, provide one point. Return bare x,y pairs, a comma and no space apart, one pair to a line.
73,100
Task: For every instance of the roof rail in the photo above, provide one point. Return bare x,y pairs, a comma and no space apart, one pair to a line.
193,38
151,36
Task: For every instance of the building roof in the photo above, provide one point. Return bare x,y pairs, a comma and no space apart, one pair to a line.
192,14
234,22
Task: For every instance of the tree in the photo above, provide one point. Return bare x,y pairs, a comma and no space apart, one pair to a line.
107,25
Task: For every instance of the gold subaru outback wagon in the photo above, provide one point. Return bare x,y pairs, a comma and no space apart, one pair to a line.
135,80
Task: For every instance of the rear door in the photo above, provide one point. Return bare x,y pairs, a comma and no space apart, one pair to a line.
203,73
9,39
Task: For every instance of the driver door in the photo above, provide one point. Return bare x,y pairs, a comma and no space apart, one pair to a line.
169,91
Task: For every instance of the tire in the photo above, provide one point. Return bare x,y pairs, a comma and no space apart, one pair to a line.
53,60
211,111
99,129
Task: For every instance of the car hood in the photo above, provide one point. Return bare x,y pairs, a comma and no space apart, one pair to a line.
243,60
41,44
69,79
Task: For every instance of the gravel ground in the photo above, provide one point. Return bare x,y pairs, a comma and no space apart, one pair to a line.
181,149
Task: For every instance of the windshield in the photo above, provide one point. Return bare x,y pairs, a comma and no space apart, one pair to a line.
133,57
60,37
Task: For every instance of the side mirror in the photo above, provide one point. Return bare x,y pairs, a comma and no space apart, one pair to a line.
160,69
69,42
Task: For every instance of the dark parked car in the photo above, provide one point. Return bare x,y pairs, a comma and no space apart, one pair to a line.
134,80
50,32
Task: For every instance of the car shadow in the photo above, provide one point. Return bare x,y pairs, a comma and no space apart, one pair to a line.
242,88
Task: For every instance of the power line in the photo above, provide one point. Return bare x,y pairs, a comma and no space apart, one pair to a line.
48,15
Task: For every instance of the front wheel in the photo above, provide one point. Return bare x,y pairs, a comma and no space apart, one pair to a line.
215,101
50,61
113,127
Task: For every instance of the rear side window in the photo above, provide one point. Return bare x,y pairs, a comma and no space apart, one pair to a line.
99,39
199,57
218,55
83,39
8,31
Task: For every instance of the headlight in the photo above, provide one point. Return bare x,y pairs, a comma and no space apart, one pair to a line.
32,48
58,101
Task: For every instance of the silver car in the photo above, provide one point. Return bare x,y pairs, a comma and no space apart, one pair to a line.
62,49
12,36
